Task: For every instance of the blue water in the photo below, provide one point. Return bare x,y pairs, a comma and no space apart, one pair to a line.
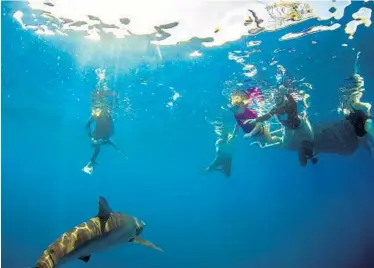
271,213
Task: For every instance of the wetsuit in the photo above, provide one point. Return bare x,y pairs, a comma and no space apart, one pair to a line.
101,134
358,118
287,114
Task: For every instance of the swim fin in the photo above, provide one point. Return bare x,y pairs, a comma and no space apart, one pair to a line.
88,168
303,159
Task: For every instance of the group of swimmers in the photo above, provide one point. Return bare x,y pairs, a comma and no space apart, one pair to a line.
298,132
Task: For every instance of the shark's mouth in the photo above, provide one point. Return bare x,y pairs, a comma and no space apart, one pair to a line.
139,226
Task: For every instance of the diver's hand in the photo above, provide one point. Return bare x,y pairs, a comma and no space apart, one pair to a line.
229,137
250,121
247,136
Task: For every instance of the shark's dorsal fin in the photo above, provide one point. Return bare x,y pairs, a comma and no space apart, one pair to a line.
104,208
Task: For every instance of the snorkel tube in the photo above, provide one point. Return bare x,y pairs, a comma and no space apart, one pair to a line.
356,79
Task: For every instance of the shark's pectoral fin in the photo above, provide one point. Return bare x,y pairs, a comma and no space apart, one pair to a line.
85,258
104,208
145,243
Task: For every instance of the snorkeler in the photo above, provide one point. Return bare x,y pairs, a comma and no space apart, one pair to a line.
283,78
101,133
243,115
223,159
298,131
356,111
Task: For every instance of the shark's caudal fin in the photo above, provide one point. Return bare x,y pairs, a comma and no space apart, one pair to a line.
104,208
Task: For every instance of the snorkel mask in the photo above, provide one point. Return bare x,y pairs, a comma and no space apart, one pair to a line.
358,81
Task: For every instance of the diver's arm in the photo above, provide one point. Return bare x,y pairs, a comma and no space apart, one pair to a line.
305,101
290,99
88,125
234,132
265,117
236,129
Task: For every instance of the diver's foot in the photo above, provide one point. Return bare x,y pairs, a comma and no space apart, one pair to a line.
89,168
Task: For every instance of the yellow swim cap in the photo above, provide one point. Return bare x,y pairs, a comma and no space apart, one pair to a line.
238,99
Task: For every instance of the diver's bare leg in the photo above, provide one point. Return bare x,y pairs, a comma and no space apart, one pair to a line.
269,138
254,131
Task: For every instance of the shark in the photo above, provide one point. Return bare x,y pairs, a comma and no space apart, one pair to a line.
105,230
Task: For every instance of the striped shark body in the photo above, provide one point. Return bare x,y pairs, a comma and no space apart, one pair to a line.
104,231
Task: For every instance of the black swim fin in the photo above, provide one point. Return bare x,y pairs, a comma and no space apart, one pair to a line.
303,159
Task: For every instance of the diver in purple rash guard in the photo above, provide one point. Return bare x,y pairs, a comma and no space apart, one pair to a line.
243,115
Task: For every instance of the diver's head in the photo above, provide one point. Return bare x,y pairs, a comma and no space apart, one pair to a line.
281,69
97,112
279,97
287,83
139,226
237,101
100,112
